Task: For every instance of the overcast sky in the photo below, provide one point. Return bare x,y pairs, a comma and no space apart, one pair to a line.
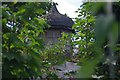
68,6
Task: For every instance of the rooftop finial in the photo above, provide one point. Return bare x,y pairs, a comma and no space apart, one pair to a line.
54,8
54,4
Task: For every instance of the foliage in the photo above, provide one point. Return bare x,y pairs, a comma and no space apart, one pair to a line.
105,25
21,43
25,54
53,55
84,37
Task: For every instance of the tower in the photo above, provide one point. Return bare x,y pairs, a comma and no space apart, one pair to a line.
58,23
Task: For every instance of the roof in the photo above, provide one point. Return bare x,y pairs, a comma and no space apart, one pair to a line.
57,20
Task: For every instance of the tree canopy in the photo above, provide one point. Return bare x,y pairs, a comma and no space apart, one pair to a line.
96,37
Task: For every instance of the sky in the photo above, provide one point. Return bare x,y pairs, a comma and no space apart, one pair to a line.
68,6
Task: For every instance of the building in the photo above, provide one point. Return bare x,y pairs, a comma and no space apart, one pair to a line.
58,23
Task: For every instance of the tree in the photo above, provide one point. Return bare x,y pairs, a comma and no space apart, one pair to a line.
21,44
84,36
105,24
25,54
